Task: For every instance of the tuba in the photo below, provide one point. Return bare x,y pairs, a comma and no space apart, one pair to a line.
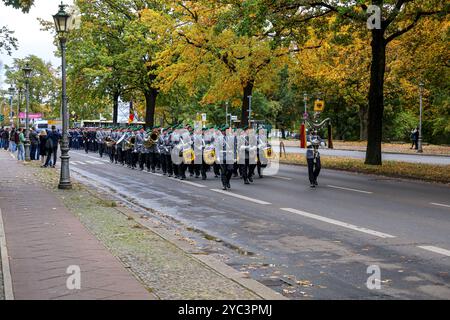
151,141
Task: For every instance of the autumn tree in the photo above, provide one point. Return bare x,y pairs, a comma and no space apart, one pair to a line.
395,19
221,43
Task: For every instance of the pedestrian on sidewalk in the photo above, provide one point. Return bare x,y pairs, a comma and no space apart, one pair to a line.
34,140
5,139
55,137
414,138
49,150
21,146
42,146
12,141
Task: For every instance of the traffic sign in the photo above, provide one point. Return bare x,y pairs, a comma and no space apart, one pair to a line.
319,105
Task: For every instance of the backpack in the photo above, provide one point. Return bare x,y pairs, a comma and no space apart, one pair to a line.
16,138
49,143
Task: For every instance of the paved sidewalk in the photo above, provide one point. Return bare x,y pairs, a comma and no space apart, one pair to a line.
43,239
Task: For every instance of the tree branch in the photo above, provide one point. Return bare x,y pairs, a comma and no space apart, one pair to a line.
417,17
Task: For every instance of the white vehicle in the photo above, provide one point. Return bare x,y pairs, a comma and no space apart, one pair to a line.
41,125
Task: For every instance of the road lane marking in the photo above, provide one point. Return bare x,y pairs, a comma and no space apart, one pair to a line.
440,205
349,189
6,271
436,250
231,194
79,162
339,223
189,183
156,174
282,178
94,162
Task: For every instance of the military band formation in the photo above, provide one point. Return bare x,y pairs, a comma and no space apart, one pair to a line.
181,150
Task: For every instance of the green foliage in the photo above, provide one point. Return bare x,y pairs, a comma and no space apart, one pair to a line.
44,84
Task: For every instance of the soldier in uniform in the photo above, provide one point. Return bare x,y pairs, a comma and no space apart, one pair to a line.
262,143
154,153
166,152
121,154
225,151
247,154
100,135
139,148
199,148
86,140
185,143
313,157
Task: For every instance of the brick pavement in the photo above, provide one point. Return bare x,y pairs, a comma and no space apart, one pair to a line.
44,239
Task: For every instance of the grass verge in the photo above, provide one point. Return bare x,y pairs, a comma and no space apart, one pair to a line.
418,171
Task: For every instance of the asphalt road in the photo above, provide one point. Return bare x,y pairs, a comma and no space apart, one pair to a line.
305,243
413,158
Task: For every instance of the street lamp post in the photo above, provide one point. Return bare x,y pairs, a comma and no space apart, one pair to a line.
11,91
61,20
419,143
27,72
20,90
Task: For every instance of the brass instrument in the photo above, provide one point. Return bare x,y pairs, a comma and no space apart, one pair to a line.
109,142
129,144
151,141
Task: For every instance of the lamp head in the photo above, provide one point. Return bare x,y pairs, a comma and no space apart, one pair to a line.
27,71
61,20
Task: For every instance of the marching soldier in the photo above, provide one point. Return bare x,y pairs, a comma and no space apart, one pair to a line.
247,154
199,148
166,153
139,148
99,137
153,153
313,157
86,140
225,151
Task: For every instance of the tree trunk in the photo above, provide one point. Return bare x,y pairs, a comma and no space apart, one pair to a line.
376,99
363,119
150,103
116,96
248,91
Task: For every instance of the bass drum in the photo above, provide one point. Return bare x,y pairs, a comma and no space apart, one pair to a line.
209,155
188,156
